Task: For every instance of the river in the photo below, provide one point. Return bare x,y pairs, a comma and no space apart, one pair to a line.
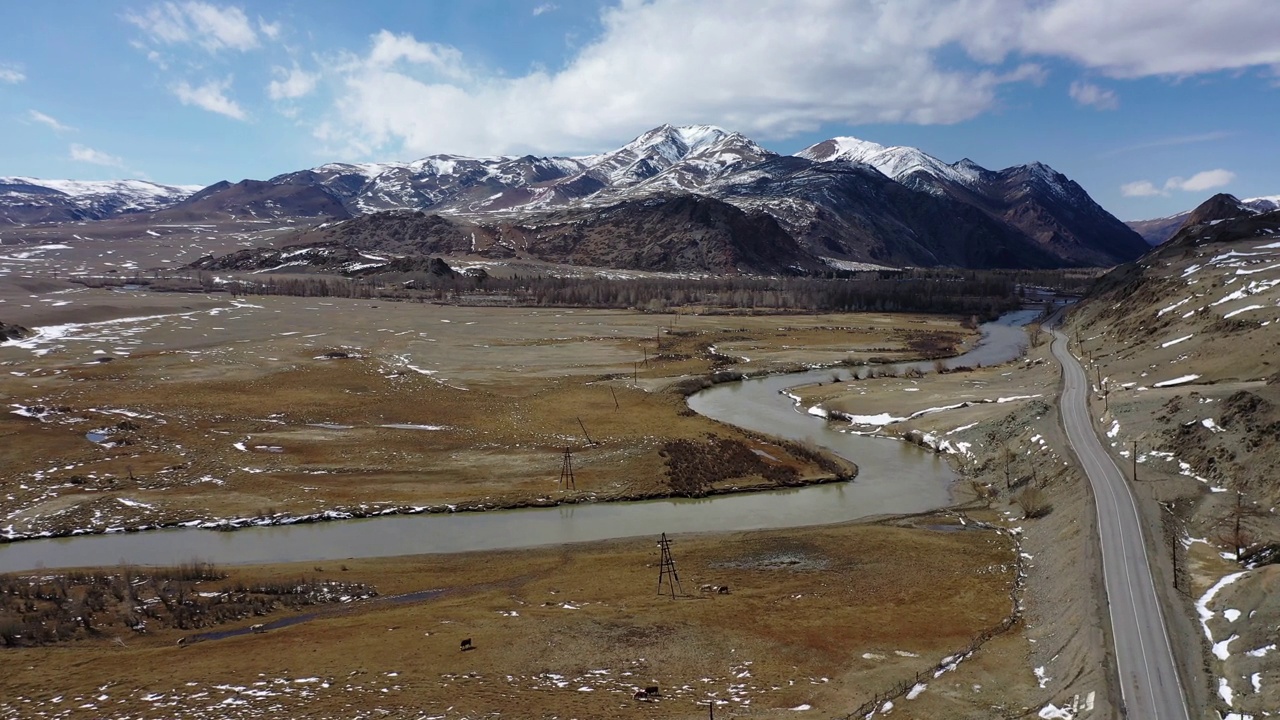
893,477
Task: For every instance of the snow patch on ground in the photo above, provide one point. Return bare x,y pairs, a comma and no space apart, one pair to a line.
1177,381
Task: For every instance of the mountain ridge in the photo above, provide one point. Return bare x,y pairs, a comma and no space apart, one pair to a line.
832,197
1158,230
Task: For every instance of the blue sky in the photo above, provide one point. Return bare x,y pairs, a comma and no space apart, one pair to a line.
1151,106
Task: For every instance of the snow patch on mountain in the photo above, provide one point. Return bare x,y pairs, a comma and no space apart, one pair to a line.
139,193
898,162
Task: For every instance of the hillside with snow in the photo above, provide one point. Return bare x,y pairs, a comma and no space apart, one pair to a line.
30,200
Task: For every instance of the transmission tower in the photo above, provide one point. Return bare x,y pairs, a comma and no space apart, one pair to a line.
667,569
566,472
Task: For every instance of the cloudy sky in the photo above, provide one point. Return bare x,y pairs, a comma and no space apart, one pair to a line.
1151,105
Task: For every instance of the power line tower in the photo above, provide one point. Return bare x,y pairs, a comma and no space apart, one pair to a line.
667,569
566,472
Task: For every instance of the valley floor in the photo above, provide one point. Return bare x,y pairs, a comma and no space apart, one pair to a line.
246,409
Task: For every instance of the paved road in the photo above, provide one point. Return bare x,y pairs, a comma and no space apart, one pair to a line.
1148,676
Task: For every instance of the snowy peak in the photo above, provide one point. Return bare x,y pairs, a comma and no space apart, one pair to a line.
31,200
849,149
1266,203
653,152
901,163
139,190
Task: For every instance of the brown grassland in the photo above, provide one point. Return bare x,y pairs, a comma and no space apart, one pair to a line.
818,616
240,413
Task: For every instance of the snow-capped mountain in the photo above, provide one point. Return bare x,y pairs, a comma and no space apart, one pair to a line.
1263,204
1051,209
665,159
844,199
29,200
1158,230
907,165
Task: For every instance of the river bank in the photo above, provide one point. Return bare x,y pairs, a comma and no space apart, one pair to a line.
903,479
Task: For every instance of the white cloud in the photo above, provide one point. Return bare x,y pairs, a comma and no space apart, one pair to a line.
80,153
11,73
781,69
211,96
292,84
48,121
545,7
1141,188
1089,94
1141,39
670,61
209,26
1201,181
1170,142
271,30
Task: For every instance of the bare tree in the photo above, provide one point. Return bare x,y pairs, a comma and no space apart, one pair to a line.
1233,530
1036,334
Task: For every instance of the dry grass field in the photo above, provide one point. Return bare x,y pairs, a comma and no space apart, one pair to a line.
205,409
818,617
212,408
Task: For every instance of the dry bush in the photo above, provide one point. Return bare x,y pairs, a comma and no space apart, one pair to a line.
983,491
693,468
47,609
1034,503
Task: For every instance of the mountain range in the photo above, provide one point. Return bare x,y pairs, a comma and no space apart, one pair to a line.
676,191
28,200
1158,230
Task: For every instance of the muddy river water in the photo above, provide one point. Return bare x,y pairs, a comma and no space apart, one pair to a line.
893,477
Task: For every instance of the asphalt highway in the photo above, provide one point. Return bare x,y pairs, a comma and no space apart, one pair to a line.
1148,675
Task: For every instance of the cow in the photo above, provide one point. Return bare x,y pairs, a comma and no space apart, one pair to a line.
723,590
466,645
259,628
649,693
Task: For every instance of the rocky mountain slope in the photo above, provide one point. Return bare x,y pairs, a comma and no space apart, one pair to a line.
842,201
1181,347
678,233
1159,230
28,200
1045,205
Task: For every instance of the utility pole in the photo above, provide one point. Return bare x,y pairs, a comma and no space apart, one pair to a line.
1008,456
566,472
584,433
667,568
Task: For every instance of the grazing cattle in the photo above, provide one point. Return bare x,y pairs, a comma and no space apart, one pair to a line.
641,695
466,645
706,588
723,589
182,641
652,691
259,628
